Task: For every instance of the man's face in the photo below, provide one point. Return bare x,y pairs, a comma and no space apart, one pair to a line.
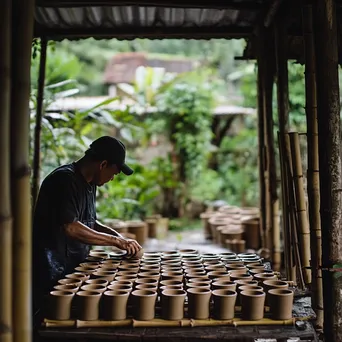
105,173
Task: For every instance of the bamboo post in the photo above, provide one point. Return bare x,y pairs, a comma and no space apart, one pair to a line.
22,33
261,143
313,167
38,126
5,194
328,117
303,226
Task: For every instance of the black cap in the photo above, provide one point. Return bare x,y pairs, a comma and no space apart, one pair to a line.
113,150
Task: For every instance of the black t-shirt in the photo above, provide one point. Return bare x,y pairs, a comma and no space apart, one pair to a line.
64,197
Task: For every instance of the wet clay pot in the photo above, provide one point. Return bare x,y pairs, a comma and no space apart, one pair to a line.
198,302
261,277
252,304
281,303
217,274
67,287
94,287
122,282
170,282
150,268
146,281
172,276
173,304
121,287
215,222
197,284
241,288
240,276
223,285
206,226
108,275
151,287
236,267
155,275
274,284
152,225
252,233
144,302
115,305
103,282
224,303
129,267
60,304
246,282
88,305
139,229
77,282
79,276
125,277
201,280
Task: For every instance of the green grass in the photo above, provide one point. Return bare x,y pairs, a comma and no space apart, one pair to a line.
184,224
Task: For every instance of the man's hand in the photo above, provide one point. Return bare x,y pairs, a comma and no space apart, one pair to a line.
131,246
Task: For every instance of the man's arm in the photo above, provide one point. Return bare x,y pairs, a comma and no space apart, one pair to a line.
81,232
105,229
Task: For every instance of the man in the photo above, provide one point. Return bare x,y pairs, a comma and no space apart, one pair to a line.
65,223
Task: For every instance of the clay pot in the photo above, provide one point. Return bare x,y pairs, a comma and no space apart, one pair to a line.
122,282
155,275
170,282
281,303
171,253
139,229
102,255
103,282
115,305
88,305
228,254
144,303
198,302
220,268
197,284
201,280
256,265
235,267
79,276
121,287
86,270
151,287
224,285
108,275
173,304
188,251
193,268
152,228
224,304
129,268
146,281
261,277
172,263
66,288
252,303
205,219
217,274
191,263
91,264
94,287
153,268
93,259
193,257
130,278
237,276
76,282
169,287
252,233
274,284
246,282
149,263
217,221
152,254
194,273
172,276
167,269
60,304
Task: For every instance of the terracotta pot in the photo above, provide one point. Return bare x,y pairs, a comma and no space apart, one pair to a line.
153,268
235,267
198,302
122,282
155,275
125,277
219,268
170,282
79,276
167,269
261,277
146,281
121,287
246,282
152,228
88,305
234,260
256,265
139,229
115,305
86,270
108,275
126,273
281,303
188,251
130,262
171,253
228,254
206,226
243,276
90,258
252,303
193,267
173,304
171,263
76,282
191,263
91,264
94,287
252,233
194,273
215,262
201,280
60,304
192,257
197,284
224,285
274,284
217,274
227,278
217,221
66,288
149,263
151,287
129,268
102,255
172,276
209,255
103,282
224,304
144,303
245,287
169,287
152,254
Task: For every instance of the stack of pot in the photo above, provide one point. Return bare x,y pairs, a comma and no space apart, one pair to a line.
171,284
232,227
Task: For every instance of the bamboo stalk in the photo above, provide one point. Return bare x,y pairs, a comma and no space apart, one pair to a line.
276,265
329,142
22,33
304,232
158,323
313,165
38,126
5,194
293,217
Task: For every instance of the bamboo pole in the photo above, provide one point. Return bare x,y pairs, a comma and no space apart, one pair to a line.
38,126
328,117
22,33
5,194
261,143
304,232
313,166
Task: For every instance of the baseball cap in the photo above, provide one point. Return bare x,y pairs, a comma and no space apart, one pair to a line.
113,150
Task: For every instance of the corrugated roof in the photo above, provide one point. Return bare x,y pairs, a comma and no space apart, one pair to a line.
59,19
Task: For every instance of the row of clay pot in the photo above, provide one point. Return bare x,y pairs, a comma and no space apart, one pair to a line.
202,272
233,223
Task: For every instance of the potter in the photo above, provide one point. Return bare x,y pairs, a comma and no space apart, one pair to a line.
65,223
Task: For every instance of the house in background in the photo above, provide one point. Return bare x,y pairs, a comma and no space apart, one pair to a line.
122,67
